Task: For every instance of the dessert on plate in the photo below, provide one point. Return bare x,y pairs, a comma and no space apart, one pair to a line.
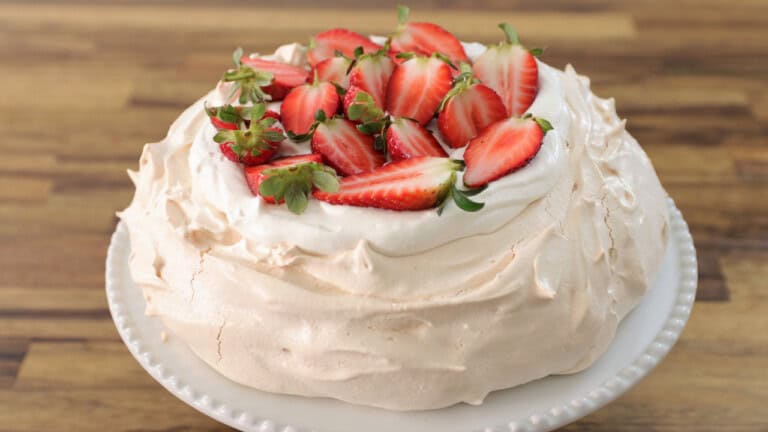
406,222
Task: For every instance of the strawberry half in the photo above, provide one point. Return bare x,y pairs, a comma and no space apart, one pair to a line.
325,44
302,104
467,109
334,70
407,139
285,76
370,73
345,148
290,180
510,70
410,184
252,146
425,38
417,87
503,147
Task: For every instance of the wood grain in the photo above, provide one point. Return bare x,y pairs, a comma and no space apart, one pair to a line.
86,84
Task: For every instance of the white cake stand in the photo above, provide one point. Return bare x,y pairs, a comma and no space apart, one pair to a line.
642,340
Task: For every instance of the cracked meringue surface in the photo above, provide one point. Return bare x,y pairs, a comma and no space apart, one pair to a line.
402,310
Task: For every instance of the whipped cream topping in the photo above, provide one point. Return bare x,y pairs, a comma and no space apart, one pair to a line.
402,310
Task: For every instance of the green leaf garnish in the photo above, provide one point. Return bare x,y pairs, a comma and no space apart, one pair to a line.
294,183
461,197
296,198
325,181
545,125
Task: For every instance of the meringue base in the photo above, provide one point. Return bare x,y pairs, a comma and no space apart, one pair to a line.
541,294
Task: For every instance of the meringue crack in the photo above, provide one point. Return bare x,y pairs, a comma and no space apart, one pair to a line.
218,340
196,273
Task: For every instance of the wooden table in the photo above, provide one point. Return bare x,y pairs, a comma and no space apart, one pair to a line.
84,85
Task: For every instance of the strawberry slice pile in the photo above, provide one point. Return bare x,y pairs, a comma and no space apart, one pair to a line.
369,113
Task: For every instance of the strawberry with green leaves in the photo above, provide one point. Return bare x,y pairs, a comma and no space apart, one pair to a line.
257,80
417,87
326,44
468,108
406,185
290,180
502,148
302,104
425,38
511,70
252,146
225,117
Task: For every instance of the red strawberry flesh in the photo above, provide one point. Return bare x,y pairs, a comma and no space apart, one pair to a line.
467,113
334,70
325,44
426,38
510,70
407,139
500,149
371,74
411,184
417,87
302,103
345,148
286,76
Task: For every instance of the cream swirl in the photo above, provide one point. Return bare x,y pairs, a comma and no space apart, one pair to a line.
325,228
403,310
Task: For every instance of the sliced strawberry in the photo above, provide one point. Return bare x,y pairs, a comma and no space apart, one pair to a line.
426,39
467,109
503,147
334,70
254,175
510,70
407,139
345,148
416,88
285,76
324,45
409,184
371,73
302,104
256,144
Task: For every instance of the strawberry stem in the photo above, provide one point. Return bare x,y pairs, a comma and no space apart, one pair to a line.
237,55
402,14
510,32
